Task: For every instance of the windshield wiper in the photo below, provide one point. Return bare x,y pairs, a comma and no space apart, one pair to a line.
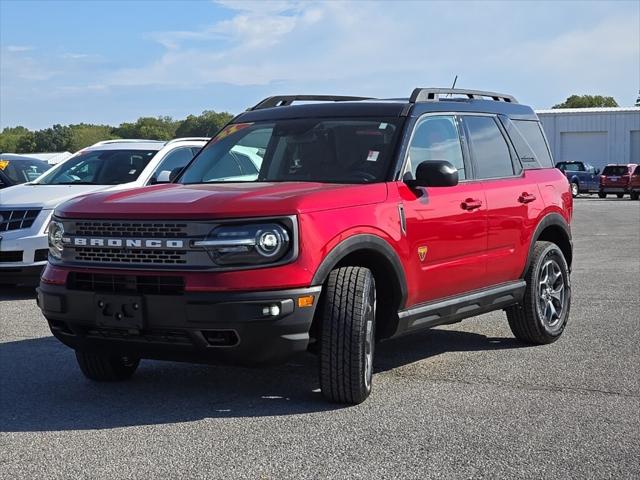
79,182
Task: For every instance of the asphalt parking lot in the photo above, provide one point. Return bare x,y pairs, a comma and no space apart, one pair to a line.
461,401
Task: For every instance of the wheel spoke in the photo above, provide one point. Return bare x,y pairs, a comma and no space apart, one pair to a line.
553,311
558,292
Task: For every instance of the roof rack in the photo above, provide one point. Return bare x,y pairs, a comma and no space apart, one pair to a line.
126,140
285,100
433,95
189,139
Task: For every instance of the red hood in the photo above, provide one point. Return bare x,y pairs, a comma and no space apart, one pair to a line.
220,201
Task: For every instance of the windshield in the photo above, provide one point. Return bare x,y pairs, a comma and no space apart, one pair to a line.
23,170
353,150
571,167
614,170
100,167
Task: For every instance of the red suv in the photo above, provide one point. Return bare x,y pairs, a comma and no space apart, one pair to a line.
634,184
615,179
320,227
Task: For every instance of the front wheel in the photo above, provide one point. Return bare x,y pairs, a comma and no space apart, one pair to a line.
575,189
348,335
602,195
635,195
106,368
543,313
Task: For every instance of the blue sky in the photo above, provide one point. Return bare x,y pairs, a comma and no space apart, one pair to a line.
114,61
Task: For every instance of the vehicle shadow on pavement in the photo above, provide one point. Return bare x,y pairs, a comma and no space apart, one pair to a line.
8,292
42,389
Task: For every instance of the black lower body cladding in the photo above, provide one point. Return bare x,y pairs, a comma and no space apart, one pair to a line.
202,327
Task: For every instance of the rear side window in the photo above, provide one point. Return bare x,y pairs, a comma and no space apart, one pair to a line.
571,167
488,148
615,170
532,133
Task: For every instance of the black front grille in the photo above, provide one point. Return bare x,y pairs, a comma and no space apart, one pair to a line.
141,284
131,229
6,257
111,255
152,336
17,219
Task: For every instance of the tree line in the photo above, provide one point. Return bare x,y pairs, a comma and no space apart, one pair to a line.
60,138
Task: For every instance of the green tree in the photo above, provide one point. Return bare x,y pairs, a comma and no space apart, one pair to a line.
587,101
84,135
10,137
205,125
160,128
26,143
54,139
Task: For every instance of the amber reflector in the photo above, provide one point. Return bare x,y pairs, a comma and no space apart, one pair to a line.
306,301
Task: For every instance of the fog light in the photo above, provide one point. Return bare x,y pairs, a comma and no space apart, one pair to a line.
271,311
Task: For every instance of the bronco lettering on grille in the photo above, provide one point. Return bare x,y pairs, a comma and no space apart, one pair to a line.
122,242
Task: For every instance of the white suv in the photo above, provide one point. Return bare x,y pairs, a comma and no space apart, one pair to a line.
110,165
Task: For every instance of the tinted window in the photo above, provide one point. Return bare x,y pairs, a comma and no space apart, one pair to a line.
532,133
489,148
341,150
100,167
176,159
570,167
615,170
21,171
637,171
436,138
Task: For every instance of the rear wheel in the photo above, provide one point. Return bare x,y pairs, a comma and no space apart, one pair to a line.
348,335
635,195
544,311
602,195
575,189
619,195
106,368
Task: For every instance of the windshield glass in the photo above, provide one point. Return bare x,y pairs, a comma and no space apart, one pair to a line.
614,170
21,171
344,150
100,167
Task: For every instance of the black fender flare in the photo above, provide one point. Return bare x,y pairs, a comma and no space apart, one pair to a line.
364,242
550,220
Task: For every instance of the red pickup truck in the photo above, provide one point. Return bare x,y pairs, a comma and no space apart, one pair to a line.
321,227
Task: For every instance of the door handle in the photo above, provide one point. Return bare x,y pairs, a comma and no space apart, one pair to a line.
471,204
526,198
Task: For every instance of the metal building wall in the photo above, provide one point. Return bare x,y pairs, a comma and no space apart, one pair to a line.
617,123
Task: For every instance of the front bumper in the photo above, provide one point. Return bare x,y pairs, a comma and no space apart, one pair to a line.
202,327
23,255
613,189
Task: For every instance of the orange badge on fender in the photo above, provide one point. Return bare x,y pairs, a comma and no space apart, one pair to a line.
422,253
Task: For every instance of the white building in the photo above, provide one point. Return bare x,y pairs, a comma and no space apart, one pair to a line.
598,136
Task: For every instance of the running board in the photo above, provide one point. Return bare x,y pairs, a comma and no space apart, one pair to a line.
455,309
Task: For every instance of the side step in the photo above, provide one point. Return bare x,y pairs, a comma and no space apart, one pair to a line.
454,309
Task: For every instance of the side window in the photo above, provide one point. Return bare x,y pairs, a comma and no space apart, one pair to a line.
488,148
176,159
436,138
532,132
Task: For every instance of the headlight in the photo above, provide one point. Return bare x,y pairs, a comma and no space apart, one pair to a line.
55,234
251,244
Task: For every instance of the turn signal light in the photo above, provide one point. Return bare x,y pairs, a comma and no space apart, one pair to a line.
306,301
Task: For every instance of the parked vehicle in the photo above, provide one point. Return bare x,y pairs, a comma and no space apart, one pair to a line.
582,177
615,179
362,220
634,184
25,210
17,169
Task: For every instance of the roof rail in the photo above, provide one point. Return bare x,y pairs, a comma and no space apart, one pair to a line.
126,140
189,139
285,100
433,95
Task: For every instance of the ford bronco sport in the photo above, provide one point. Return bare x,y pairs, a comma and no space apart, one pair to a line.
322,226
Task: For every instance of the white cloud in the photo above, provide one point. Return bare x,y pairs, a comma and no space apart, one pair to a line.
18,48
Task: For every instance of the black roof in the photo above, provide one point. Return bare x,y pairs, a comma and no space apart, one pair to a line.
422,100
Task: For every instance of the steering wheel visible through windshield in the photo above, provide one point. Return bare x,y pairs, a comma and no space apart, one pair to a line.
100,167
343,150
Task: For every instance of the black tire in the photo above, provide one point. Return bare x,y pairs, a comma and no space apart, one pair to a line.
575,189
103,368
635,195
348,335
527,319
602,195
619,195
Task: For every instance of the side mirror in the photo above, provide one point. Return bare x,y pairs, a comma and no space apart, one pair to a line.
435,173
165,176
596,171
